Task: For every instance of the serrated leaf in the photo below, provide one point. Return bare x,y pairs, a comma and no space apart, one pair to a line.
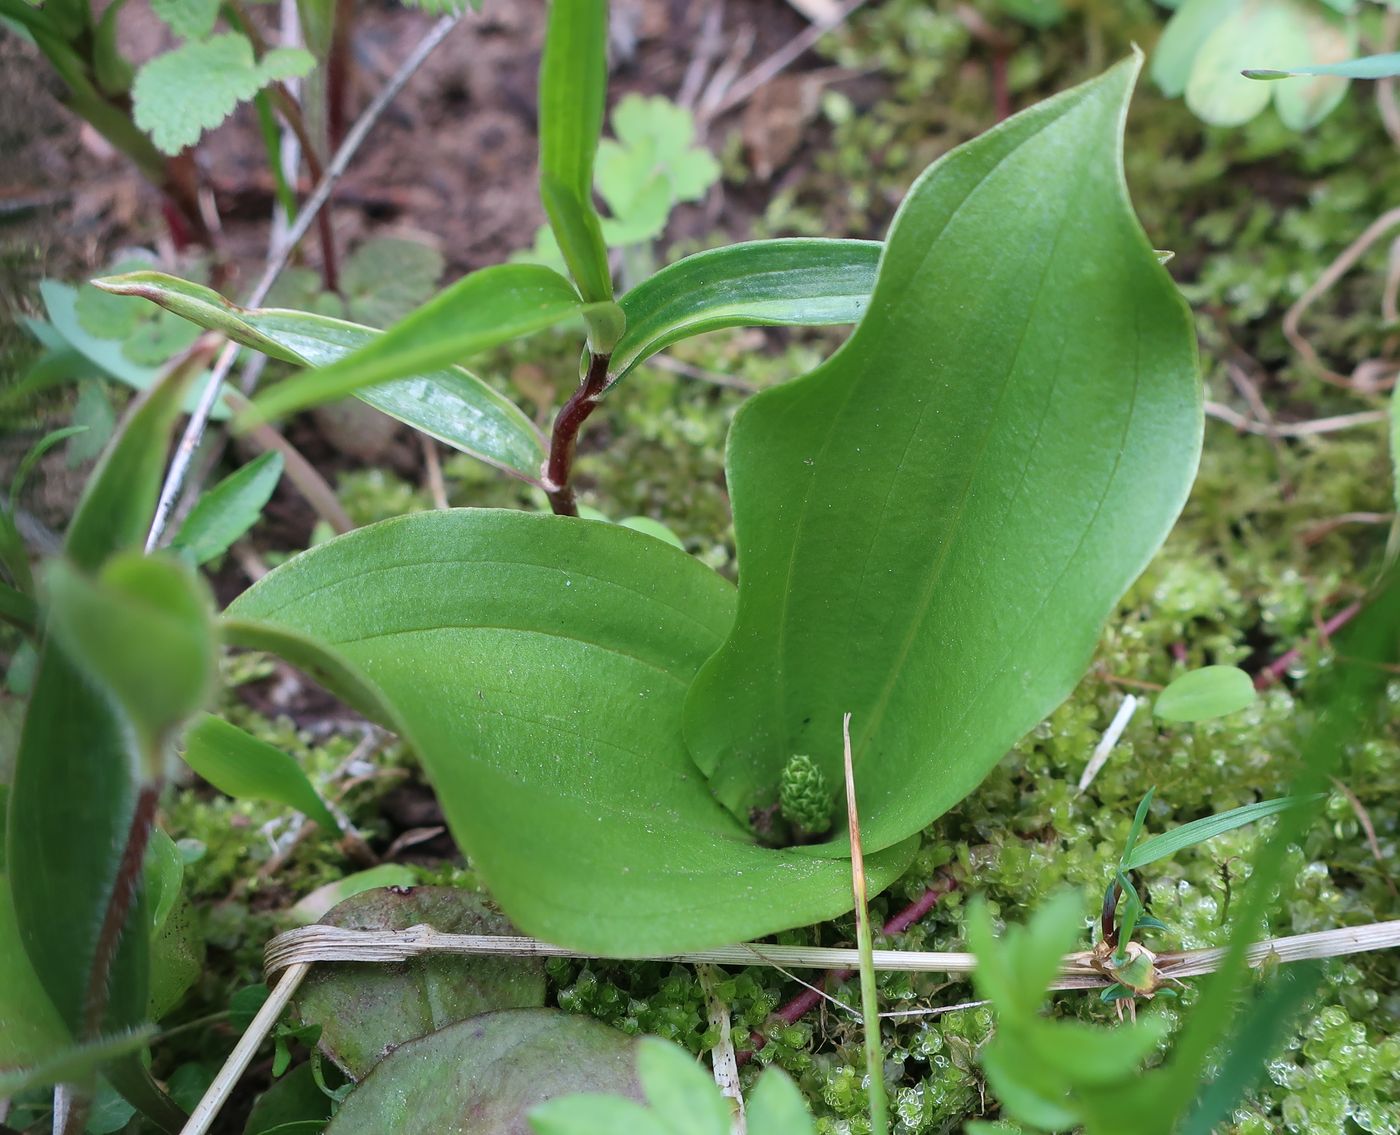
182,93
224,513
387,277
934,525
1205,693
483,310
768,283
573,85
188,19
429,608
238,764
450,404
1183,38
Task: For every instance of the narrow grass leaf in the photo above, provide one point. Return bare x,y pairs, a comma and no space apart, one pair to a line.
1208,827
1367,67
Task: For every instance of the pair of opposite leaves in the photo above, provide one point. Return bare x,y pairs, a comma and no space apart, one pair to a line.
932,528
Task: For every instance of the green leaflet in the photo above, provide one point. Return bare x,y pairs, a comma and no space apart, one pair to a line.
478,312
449,403
229,509
1367,67
934,524
573,86
763,283
538,666
246,768
1211,691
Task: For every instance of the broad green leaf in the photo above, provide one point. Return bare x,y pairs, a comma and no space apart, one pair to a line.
292,1105
776,1107
1208,827
682,1093
365,1011
119,498
74,1065
323,899
229,509
478,312
484,1075
933,525
142,631
1183,38
239,764
1216,92
573,86
1367,67
30,1028
537,665
1211,691
180,94
177,958
71,803
763,283
449,404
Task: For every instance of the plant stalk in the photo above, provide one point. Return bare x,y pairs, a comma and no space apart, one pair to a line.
869,992
563,440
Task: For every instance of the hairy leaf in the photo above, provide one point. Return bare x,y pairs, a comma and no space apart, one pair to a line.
766,283
934,524
182,93
537,665
449,404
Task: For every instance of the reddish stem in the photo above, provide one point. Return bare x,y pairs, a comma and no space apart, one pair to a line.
1279,666
124,888
564,438
809,999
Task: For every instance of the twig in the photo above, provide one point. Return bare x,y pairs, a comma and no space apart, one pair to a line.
277,261
1104,749
1279,666
1386,88
714,377
1363,817
1330,275
242,1054
780,60
707,48
432,467
726,1069
1311,428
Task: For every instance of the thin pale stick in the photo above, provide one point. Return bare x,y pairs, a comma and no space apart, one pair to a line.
277,261
1104,749
336,944
242,1054
722,1058
818,990
1223,413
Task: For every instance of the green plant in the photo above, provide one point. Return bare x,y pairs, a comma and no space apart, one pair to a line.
728,692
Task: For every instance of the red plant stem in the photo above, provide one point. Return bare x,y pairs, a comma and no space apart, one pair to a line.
1279,666
338,64
809,999
564,438
124,888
